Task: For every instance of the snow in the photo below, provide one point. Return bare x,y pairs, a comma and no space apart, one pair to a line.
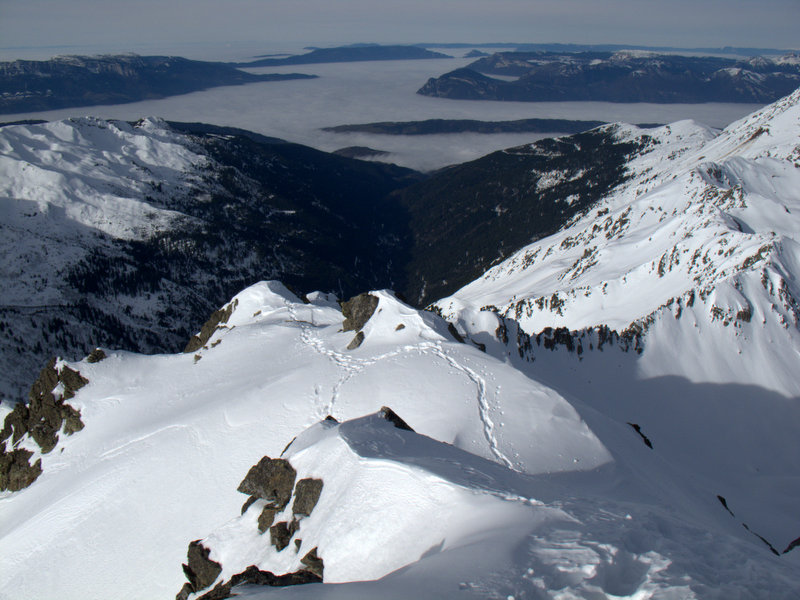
93,173
179,433
699,250
524,476
506,488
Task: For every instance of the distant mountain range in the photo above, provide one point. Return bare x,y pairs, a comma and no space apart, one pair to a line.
437,126
625,76
356,53
555,47
70,81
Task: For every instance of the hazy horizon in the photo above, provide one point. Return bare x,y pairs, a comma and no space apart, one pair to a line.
115,26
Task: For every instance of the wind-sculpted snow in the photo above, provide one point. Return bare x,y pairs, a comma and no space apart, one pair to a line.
168,438
463,526
503,488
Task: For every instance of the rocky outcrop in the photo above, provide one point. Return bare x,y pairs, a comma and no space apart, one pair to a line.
216,321
314,563
272,479
357,311
281,534
42,418
16,471
255,576
200,570
266,518
306,496
391,416
96,355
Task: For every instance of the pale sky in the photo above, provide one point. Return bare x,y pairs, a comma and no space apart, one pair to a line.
122,25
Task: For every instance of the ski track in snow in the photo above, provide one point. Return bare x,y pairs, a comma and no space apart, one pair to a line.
352,366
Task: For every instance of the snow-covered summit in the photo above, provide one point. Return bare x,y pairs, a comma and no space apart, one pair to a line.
179,432
697,210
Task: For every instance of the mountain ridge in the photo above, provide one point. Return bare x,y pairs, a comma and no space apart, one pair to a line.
623,76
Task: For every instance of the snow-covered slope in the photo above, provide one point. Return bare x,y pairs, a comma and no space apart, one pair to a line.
167,438
504,488
695,263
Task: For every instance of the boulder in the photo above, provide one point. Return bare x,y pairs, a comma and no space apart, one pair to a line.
96,355
356,341
266,518
281,534
272,479
306,495
357,311
201,571
313,562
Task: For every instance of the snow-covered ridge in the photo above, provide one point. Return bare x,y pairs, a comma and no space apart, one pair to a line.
699,209
216,411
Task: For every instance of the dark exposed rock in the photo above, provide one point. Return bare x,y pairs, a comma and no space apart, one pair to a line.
185,592
454,332
266,518
645,439
272,479
16,423
724,503
42,418
201,571
281,534
794,544
221,590
391,416
357,311
306,496
16,472
399,327
248,503
313,562
357,340
254,576
96,356
257,577
72,380
763,539
72,419
217,318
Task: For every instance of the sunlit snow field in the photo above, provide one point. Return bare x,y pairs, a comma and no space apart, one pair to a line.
363,92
